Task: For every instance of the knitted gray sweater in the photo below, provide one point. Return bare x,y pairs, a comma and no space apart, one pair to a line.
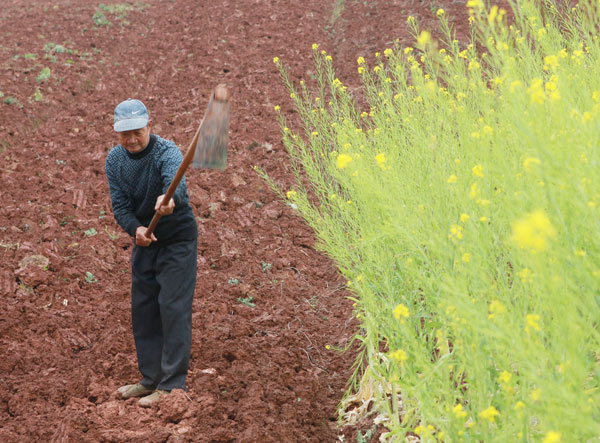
136,181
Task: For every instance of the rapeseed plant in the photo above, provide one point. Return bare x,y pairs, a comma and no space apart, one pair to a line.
471,241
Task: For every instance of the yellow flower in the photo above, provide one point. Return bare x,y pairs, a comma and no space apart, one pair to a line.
553,437
380,159
489,414
315,46
387,52
423,38
399,355
291,194
452,179
496,308
277,108
551,62
525,274
478,170
275,60
533,231
514,86
466,257
459,411
529,162
535,91
420,429
440,12
456,231
473,64
586,117
361,70
483,219
343,160
504,377
533,320
474,192
492,15
536,394
474,4
401,312
519,405
464,217
360,60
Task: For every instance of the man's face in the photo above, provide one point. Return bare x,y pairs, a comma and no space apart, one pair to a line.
136,140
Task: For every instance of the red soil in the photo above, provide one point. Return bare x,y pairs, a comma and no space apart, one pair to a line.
259,373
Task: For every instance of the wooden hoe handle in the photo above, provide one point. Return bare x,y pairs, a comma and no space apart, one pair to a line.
221,93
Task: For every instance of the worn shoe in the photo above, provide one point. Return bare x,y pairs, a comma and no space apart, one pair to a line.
136,390
152,399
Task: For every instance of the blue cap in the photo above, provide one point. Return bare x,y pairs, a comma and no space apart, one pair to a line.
130,115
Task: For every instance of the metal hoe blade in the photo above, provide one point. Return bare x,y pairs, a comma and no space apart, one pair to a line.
211,147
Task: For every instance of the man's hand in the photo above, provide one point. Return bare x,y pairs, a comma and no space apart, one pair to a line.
164,210
140,237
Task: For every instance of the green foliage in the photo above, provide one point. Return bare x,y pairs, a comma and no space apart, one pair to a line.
462,207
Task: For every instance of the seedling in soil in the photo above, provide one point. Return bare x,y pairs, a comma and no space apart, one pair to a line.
45,74
37,95
111,235
265,266
11,100
247,301
100,19
90,278
233,281
90,232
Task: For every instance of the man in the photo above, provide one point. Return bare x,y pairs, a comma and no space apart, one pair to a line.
163,265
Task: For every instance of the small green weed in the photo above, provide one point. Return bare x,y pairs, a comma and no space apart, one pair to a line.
90,278
37,95
45,74
9,100
90,232
233,281
111,235
247,301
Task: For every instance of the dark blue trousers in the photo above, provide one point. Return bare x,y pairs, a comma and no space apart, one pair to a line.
162,290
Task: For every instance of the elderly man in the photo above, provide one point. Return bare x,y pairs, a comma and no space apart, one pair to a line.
163,265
